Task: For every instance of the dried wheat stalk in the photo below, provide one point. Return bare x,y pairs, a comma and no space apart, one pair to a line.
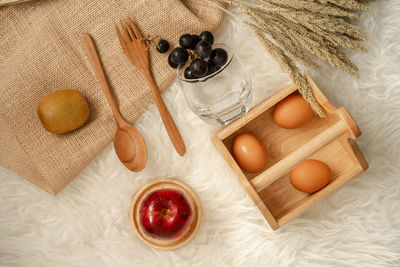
295,29
11,2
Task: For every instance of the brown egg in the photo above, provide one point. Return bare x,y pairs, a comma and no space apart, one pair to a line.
292,112
250,153
310,176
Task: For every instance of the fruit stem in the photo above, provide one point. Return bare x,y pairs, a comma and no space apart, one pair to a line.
149,39
165,213
193,55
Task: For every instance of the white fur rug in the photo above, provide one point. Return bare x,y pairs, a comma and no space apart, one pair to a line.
87,224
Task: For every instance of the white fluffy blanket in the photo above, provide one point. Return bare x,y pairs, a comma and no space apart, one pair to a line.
87,224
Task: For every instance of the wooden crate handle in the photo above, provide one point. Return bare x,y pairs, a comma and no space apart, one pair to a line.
281,167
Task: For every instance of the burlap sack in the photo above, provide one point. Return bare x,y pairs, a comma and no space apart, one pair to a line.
40,51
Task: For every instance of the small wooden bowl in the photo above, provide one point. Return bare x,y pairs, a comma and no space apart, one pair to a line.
331,140
165,244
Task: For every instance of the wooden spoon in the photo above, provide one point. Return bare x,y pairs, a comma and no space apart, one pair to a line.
128,142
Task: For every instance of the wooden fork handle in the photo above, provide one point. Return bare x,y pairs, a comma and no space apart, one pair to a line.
166,117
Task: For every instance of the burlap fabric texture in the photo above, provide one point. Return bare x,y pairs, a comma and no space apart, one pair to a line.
40,51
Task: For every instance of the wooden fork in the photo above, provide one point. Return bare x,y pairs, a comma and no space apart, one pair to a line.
137,51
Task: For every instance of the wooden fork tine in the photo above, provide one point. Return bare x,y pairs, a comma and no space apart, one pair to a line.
134,37
121,39
128,38
135,29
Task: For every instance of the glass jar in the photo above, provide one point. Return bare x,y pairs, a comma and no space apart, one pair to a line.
222,96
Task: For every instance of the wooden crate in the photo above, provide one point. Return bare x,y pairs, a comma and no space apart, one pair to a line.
330,140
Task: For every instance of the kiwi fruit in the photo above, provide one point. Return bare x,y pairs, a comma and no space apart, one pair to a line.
63,111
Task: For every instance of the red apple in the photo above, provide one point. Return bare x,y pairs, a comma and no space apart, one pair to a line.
165,213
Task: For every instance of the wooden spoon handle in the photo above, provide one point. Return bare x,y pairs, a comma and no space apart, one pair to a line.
166,117
94,59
